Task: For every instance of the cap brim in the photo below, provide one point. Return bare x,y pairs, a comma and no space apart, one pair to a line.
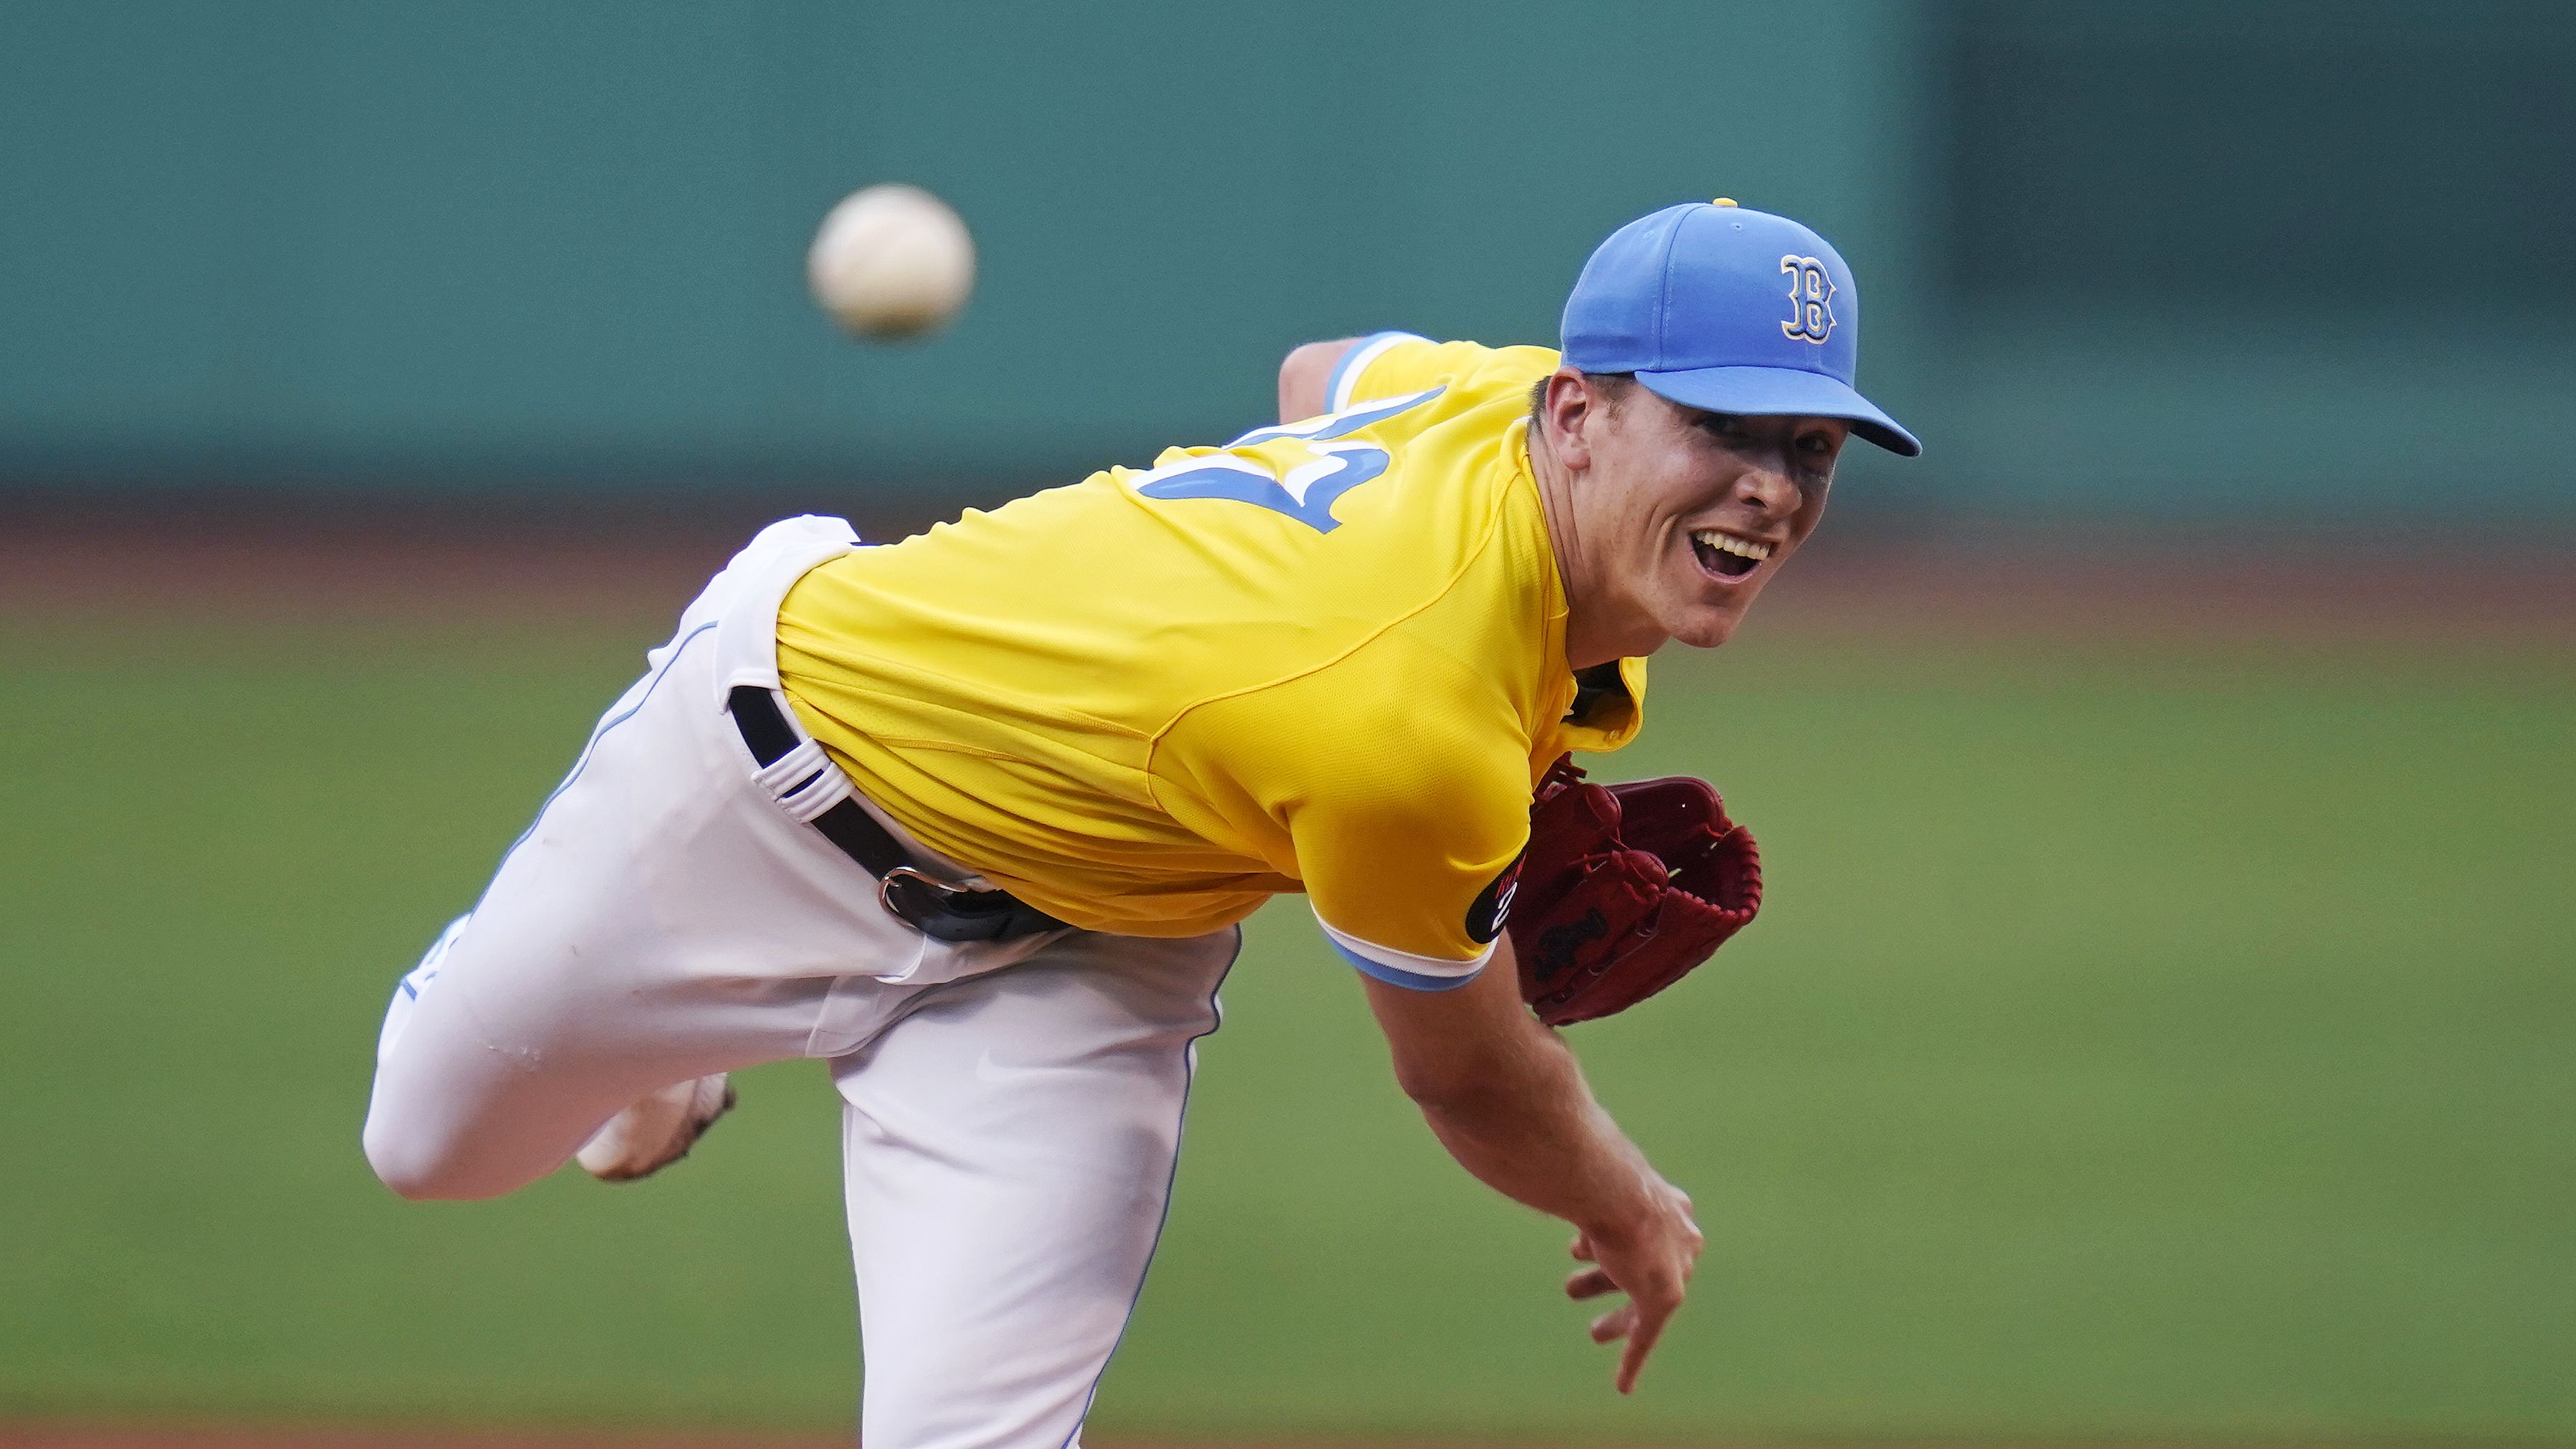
1782,392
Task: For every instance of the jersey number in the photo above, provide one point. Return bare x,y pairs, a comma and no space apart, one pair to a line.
1308,491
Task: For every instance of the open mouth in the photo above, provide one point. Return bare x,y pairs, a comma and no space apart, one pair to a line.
1726,555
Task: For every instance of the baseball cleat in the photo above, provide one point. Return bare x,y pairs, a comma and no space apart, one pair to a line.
656,1131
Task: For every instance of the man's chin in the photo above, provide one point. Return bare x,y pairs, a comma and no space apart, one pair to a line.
1706,628
1706,609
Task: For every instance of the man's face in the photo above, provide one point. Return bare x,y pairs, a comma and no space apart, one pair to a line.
1685,515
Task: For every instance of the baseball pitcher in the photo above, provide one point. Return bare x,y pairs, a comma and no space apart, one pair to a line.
973,817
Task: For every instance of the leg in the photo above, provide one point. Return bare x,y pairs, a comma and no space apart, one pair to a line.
463,1110
471,1103
519,1033
1010,1146
662,920
474,1092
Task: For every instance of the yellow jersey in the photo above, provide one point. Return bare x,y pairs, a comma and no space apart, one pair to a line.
1328,656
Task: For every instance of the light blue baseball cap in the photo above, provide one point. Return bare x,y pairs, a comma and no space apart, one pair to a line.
1719,307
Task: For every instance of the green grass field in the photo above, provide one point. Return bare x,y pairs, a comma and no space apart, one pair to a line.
2137,1043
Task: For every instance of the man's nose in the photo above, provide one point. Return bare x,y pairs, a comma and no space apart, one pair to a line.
1767,486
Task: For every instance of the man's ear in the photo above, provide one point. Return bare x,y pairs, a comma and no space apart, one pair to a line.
1568,411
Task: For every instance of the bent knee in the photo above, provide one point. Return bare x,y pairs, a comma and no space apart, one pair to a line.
424,1167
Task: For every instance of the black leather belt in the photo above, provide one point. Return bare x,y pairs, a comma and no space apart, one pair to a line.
935,908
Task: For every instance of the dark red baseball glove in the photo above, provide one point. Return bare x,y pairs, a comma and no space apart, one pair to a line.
1624,889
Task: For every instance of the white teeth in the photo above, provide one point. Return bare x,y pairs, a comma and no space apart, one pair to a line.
1729,543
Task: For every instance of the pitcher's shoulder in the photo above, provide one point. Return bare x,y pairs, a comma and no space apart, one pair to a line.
1387,364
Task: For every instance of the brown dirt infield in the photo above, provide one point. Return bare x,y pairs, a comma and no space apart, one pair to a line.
635,565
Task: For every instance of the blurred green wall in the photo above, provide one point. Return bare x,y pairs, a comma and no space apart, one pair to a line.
2268,257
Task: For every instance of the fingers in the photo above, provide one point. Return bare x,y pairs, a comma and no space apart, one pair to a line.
1640,1320
1646,1327
1651,1261
1589,1283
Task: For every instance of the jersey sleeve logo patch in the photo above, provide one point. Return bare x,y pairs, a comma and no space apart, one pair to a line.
1811,300
1493,905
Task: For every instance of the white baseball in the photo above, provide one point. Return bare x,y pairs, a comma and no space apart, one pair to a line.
891,261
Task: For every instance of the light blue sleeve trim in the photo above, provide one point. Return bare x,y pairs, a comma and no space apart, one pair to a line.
1409,980
1402,968
1346,371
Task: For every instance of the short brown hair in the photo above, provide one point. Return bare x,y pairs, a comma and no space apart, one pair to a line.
1611,385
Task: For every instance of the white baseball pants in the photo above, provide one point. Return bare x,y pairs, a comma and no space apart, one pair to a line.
1011,1110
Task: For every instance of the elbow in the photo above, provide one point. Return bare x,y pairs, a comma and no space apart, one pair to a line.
1310,364
1449,1087
1302,376
1496,1071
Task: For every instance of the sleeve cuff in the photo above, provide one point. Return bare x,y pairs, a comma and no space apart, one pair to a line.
1345,379
1403,968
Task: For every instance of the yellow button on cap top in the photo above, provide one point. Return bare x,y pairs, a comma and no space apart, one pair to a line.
1723,201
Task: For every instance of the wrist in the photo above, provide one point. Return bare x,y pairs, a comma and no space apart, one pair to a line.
1625,1202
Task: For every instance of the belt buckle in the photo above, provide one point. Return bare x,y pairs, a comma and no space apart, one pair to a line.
910,880
951,913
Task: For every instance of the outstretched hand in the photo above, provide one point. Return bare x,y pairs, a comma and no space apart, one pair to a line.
1650,1259
1505,1096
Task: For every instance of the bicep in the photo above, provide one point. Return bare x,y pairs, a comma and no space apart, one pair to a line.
1402,841
1405,856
